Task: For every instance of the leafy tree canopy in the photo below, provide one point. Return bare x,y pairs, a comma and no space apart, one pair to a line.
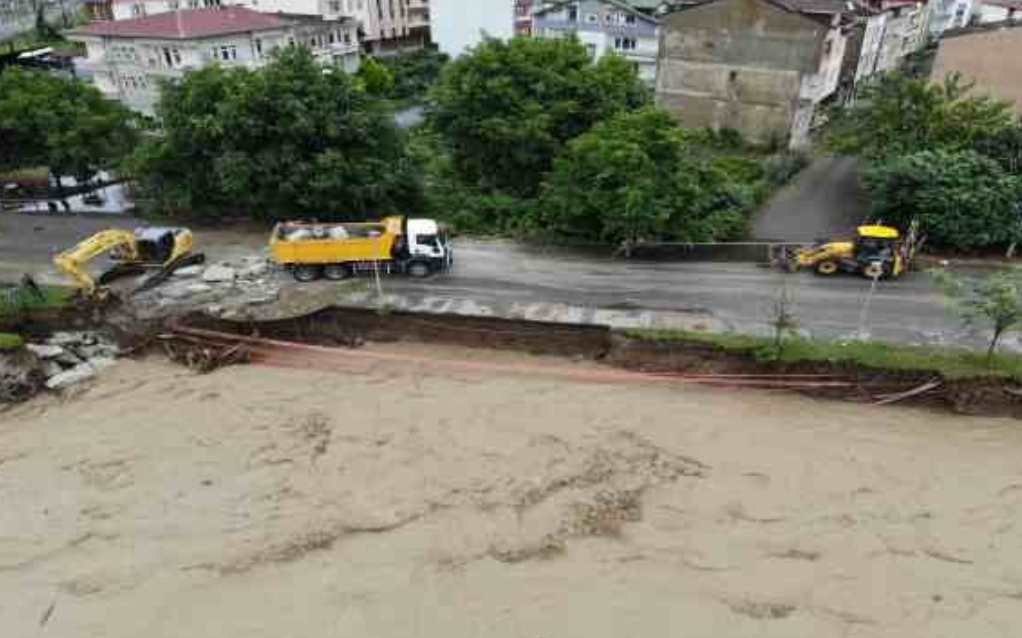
993,302
66,125
376,78
290,139
505,110
903,115
961,199
631,178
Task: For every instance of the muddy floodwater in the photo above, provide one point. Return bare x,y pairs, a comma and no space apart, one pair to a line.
408,501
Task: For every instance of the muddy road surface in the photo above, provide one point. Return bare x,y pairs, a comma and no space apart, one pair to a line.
404,500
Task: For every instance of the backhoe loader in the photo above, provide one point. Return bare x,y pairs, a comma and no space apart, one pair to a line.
160,249
876,252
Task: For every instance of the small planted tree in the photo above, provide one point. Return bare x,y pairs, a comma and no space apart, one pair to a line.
993,302
783,320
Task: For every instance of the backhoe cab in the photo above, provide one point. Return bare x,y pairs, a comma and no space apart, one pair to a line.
876,252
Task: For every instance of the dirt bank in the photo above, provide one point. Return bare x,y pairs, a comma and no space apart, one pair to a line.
267,502
985,396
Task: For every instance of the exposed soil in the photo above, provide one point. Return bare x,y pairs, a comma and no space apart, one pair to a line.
400,500
338,326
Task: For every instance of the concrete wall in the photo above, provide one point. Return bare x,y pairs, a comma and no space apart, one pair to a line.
737,64
458,25
981,57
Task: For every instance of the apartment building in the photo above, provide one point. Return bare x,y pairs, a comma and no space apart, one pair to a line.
603,26
760,67
127,59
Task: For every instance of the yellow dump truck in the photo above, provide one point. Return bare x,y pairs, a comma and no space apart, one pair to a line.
310,250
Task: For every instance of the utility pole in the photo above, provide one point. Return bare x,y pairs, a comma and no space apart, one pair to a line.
863,333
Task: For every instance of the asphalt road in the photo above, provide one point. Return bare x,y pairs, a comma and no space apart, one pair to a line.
824,200
738,295
501,274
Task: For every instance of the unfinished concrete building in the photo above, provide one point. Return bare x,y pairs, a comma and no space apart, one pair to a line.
760,67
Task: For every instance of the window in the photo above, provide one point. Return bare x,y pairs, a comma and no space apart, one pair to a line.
227,52
625,44
629,18
332,37
573,13
258,46
173,4
335,6
592,18
137,10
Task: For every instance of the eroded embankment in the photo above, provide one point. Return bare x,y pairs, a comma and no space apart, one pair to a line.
695,361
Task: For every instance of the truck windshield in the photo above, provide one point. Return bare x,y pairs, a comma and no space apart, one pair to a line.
428,240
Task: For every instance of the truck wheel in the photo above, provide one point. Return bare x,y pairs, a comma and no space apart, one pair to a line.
826,267
305,273
419,269
336,272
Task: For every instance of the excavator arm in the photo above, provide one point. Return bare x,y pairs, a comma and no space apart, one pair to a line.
74,261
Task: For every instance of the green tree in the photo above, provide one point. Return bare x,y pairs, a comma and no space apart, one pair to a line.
414,72
993,302
505,110
376,78
65,125
283,141
1005,146
630,178
903,115
961,199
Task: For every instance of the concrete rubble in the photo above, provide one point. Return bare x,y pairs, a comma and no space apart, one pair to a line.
66,359
222,288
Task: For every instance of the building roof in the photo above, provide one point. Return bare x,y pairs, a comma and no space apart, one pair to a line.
187,24
625,5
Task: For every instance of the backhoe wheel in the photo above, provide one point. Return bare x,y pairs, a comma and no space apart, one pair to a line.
419,269
826,267
305,273
873,271
336,272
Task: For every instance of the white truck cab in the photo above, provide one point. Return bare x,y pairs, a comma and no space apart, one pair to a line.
428,243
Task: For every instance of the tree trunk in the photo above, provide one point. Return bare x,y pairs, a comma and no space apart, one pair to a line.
992,348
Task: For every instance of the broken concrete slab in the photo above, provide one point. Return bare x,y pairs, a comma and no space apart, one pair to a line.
188,271
254,271
68,378
218,273
44,351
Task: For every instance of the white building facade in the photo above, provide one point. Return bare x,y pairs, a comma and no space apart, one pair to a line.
457,25
950,14
603,26
127,59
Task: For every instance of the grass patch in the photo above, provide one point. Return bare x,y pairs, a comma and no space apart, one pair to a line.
951,362
19,299
9,341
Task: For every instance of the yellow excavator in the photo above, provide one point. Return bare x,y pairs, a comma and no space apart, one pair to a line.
877,251
163,249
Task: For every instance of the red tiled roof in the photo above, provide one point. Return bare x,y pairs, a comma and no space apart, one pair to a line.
190,23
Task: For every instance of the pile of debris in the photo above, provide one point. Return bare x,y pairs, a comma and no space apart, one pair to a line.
222,288
68,358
